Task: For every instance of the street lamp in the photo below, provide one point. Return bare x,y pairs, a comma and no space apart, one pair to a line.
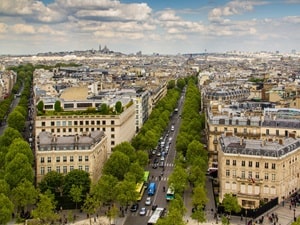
294,215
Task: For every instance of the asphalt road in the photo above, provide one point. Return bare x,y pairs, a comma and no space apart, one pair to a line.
156,174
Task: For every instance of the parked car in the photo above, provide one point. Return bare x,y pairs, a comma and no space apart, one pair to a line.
161,164
134,207
143,211
148,201
154,166
156,160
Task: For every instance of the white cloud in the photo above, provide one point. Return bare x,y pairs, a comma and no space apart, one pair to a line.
233,8
3,28
23,29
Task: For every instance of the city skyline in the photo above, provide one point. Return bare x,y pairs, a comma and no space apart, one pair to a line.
150,26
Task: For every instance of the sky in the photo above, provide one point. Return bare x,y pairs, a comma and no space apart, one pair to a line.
149,26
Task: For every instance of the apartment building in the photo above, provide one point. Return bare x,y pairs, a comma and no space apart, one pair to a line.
117,127
257,171
65,153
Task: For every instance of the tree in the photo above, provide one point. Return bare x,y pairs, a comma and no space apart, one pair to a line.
19,146
45,210
171,84
112,213
230,203
104,109
136,170
52,181
17,170
7,138
78,178
90,205
117,165
6,209
199,198
16,120
76,194
4,187
40,106
127,149
178,179
297,222
180,83
118,107
105,189
57,106
23,195
194,151
142,158
126,192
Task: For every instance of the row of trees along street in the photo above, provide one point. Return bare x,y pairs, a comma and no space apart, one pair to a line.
116,187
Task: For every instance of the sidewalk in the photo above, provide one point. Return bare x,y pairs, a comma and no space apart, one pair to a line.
284,213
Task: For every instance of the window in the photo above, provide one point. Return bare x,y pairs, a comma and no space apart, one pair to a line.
250,163
49,169
58,169
57,159
103,128
243,163
245,130
112,129
112,143
98,122
52,123
69,123
216,128
112,122
81,122
43,124
227,162
80,167
227,173
266,176
234,173
273,166
65,158
42,170
234,162
273,176
86,168
87,122
71,158
103,122
49,159
256,175
243,174
42,159
266,165
277,132
86,158
250,174
71,168
75,123
58,123
80,158
235,130
65,170
257,164
267,132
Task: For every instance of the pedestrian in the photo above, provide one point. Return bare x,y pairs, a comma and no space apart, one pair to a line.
159,177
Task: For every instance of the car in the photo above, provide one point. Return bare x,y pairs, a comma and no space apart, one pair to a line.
156,160
148,201
158,154
153,152
161,164
154,207
172,128
134,207
143,211
154,166
162,158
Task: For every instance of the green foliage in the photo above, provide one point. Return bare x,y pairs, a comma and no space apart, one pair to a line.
52,181
77,178
19,146
76,194
230,203
127,149
4,187
105,189
199,198
297,222
24,194
6,209
171,84
119,107
57,106
104,109
199,215
17,170
180,83
40,106
16,120
117,165
178,179
126,192
45,210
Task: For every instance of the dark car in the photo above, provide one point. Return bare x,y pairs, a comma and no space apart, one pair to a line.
134,207
156,160
154,207
154,166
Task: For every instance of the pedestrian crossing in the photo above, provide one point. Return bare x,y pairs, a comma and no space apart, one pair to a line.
149,213
165,165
